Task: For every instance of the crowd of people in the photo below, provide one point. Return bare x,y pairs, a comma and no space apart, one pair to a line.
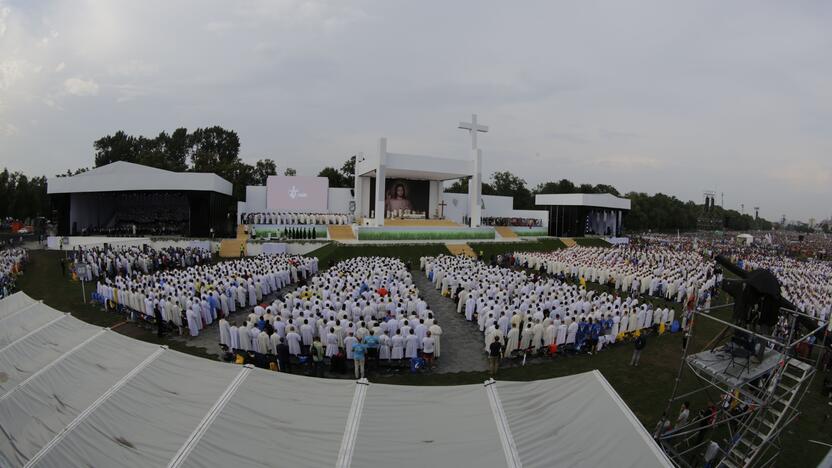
527,312
11,265
365,308
285,218
524,222
676,275
194,297
114,260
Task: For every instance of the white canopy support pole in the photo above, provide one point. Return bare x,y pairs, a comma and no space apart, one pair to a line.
209,418
21,310
36,330
98,402
53,363
354,418
509,448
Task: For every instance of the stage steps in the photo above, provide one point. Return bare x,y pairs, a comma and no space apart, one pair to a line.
769,420
506,232
568,241
461,249
241,233
340,232
230,248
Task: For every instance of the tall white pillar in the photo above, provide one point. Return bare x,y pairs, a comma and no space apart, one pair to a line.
475,190
358,196
380,182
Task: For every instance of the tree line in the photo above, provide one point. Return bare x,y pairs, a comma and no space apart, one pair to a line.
217,150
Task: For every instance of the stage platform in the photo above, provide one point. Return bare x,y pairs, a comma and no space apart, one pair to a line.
717,364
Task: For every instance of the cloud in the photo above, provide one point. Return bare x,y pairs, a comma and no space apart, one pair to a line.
60,67
4,14
80,87
804,175
218,26
627,162
8,130
132,68
11,71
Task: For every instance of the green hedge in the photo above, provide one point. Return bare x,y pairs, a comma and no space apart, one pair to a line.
334,252
424,235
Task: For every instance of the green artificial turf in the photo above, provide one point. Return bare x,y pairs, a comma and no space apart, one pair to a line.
424,235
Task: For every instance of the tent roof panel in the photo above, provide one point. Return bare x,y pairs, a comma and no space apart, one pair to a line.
122,176
103,399
428,426
300,420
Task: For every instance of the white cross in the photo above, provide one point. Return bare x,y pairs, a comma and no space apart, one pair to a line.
473,128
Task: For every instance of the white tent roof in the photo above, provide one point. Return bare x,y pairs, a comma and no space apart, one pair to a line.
596,200
72,394
122,176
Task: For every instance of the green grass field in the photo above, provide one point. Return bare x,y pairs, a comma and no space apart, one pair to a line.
424,235
645,389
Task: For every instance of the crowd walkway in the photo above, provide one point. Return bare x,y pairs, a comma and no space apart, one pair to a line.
462,346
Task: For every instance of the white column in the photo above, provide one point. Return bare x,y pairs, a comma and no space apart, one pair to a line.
358,196
475,190
434,197
380,182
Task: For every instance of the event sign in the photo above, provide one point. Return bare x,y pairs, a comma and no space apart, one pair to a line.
297,193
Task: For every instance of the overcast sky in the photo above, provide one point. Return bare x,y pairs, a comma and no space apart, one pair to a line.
677,97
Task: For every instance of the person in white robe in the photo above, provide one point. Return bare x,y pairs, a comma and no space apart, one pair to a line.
293,340
436,333
234,336
225,333
397,341
245,338
411,345
331,343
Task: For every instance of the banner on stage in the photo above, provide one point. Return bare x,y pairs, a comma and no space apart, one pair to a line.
297,194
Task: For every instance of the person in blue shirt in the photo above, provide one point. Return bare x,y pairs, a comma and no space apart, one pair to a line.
261,324
581,334
594,332
358,351
371,342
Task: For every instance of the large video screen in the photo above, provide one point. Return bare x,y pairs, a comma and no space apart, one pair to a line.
297,193
403,194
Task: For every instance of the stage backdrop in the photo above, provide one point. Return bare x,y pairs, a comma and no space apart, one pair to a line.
412,195
297,193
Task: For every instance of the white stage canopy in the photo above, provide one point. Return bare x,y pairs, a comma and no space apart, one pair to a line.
122,176
593,200
72,394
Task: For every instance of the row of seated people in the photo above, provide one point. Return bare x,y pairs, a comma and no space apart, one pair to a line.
529,222
288,218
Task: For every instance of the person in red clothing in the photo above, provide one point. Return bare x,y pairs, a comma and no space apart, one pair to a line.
382,291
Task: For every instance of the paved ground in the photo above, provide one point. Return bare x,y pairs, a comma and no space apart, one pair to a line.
462,343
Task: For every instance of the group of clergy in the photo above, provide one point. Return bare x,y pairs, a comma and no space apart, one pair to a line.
196,296
11,263
527,311
365,299
114,260
676,275
805,283
286,218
